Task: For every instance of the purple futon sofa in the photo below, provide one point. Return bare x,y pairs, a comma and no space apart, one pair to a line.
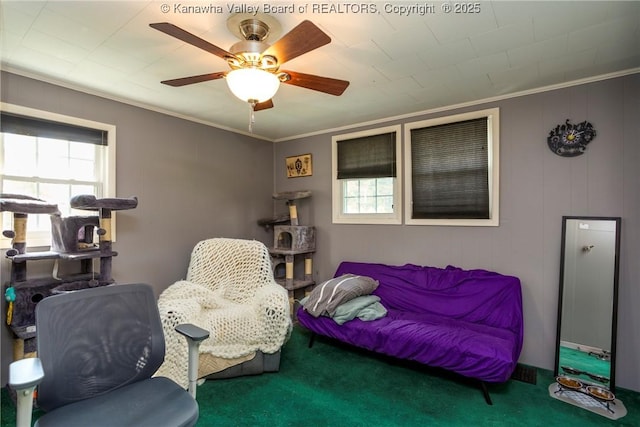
465,321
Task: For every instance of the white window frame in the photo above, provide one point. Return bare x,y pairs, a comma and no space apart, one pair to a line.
493,130
339,217
40,238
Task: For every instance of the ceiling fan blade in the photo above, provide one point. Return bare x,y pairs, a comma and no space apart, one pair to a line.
192,39
263,105
194,79
302,39
321,84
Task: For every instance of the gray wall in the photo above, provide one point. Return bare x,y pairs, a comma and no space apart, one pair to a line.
181,173
192,182
537,188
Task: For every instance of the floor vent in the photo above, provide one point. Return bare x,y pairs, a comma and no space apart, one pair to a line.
526,374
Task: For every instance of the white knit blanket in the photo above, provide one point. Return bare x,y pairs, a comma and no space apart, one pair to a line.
231,292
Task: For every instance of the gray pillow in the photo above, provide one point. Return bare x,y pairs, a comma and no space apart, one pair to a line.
330,294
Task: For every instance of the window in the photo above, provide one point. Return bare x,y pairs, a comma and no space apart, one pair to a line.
452,170
53,157
366,184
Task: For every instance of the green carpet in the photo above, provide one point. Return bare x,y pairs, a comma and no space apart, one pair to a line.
583,361
335,385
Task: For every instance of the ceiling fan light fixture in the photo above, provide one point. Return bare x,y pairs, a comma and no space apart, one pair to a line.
253,84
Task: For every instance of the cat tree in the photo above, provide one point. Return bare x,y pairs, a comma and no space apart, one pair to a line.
72,239
293,247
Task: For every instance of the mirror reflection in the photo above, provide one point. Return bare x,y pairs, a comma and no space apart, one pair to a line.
587,306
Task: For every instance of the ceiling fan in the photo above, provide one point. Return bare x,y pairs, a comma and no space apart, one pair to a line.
255,73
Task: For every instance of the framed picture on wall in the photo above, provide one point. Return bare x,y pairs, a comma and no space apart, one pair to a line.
298,166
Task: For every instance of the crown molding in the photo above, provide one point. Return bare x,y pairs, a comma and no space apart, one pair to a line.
145,106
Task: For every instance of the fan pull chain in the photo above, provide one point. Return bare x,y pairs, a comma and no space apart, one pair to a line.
252,117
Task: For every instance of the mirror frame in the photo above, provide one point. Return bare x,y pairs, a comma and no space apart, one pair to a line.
614,308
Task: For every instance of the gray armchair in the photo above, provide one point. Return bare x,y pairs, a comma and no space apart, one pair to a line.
97,352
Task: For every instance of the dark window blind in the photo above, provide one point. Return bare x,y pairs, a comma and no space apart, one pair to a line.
367,157
450,171
22,125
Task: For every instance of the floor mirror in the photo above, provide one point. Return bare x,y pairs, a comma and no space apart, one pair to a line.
585,360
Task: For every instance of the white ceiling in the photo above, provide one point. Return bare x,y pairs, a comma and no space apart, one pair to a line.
397,65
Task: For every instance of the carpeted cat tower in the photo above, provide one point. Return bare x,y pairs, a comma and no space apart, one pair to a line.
72,241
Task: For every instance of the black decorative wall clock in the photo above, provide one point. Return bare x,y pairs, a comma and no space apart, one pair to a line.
569,140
